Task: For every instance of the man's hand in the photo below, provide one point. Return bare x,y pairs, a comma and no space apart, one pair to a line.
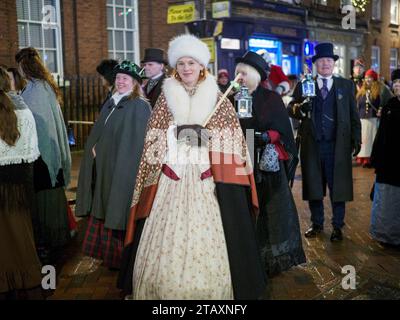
356,148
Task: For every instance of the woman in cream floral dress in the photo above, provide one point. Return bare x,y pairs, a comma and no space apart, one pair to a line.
186,248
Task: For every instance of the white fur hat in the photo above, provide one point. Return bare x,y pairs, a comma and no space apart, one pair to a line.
187,45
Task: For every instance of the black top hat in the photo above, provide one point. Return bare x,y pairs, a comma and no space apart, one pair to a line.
256,61
324,50
130,69
154,54
106,69
395,75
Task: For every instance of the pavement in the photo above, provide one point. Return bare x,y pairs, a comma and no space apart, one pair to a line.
323,277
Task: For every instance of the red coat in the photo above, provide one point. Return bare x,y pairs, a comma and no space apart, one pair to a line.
277,80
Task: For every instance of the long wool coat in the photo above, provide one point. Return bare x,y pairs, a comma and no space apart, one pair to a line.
348,133
106,182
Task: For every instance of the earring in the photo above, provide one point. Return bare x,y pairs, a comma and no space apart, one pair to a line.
202,73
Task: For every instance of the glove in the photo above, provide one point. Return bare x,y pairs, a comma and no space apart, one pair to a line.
261,138
279,90
356,147
265,137
195,135
306,107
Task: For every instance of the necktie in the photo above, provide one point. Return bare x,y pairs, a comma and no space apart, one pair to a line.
324,89
152,83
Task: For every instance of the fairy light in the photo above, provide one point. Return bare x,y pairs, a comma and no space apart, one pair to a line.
360,4
125,13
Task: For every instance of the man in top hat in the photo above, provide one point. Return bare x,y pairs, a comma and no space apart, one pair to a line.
153,63
358,72
330,132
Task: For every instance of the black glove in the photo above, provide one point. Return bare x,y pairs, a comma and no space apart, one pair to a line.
195,135
356,145
261,138
306,107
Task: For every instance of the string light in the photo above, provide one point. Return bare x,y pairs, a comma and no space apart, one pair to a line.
125,13
360,4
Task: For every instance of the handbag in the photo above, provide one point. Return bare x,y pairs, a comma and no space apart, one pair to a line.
269,161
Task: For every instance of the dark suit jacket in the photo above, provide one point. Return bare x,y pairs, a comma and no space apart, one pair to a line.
348,134
155,92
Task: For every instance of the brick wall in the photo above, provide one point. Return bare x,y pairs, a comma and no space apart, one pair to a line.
158,32
85,35
385,35
8,32
85,43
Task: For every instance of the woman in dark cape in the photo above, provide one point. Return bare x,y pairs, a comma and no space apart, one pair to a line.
278,227
109,167
385,213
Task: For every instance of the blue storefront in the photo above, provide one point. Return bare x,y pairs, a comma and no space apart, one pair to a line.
284,40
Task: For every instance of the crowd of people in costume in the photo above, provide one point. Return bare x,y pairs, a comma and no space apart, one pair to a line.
174,186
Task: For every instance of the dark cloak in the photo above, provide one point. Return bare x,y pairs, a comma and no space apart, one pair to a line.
384,156
278,228
105,186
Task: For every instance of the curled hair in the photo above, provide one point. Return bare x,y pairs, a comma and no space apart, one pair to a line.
375,89
9,132
33,68
137,91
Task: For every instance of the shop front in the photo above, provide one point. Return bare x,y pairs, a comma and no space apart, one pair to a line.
283,43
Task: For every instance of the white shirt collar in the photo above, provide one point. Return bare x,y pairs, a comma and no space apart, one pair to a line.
118,96
157,76
328,77
329,83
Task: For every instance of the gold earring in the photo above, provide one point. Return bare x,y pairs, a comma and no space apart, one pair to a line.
202,73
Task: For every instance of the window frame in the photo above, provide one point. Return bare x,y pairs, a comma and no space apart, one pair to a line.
393,58
396,3
377,5
377,50
113,53
58,36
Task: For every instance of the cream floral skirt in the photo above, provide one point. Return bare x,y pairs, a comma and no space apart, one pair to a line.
182,252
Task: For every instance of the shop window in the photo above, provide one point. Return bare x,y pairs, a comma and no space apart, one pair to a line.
231,44
375,58
340,65
394,11
393,59
39,26
123,30
345,3
376,9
